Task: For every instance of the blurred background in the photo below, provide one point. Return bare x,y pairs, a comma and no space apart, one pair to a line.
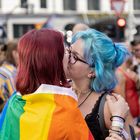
119,19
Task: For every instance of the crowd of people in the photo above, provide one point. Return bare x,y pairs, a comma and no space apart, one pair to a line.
86,91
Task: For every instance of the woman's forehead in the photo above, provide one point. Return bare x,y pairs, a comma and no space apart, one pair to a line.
78,47
79,43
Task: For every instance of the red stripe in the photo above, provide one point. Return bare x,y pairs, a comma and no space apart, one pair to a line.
90,136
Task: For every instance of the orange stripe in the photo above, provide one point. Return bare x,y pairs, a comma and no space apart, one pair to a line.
67,121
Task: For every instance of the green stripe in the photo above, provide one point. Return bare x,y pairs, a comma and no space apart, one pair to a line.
11,126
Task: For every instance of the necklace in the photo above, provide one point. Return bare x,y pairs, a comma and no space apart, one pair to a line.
85,99
80,92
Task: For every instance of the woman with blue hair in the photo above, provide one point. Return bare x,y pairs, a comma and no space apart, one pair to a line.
92,60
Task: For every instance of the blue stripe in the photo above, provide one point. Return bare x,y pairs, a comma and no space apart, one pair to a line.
3,114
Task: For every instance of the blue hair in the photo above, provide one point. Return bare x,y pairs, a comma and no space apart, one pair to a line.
103,56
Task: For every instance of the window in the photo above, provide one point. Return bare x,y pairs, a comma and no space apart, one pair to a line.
137,4
93,4
24,3
138,30
43,3
0,3
20,29
69,4
3,35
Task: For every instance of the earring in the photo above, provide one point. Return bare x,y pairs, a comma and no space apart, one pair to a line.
91,75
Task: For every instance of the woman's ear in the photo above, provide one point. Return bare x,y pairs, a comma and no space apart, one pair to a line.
91,74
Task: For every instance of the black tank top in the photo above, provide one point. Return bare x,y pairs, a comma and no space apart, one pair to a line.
92,121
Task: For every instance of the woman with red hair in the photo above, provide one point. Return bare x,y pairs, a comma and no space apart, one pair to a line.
40,60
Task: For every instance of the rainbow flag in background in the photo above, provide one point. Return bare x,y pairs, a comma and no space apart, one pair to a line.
50,113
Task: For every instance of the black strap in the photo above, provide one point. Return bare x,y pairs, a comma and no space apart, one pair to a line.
132,132
101,116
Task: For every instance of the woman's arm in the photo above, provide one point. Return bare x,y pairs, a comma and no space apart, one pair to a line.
119,108
115,106
113,136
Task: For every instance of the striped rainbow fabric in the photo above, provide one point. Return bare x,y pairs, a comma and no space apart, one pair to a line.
50,113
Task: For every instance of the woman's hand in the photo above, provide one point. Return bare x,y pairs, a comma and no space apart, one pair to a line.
117,105
114,136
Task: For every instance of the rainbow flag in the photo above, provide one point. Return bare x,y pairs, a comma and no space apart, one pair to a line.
50,113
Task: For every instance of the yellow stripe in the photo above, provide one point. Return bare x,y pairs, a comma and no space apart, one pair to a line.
36,120
2,89
9,67
9,86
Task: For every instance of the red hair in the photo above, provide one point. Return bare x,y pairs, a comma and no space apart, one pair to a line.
40,60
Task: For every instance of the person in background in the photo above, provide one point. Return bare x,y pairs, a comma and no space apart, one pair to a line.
3,48
135,46
8,71
129,82
79,27
135,66
126,87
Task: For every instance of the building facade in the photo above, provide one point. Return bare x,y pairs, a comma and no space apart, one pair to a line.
22,15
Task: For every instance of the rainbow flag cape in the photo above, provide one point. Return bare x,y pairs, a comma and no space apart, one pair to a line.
50,113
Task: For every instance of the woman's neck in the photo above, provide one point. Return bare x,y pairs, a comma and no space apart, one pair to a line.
81,87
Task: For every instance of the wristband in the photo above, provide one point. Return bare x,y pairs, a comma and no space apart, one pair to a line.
117,124
117,117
